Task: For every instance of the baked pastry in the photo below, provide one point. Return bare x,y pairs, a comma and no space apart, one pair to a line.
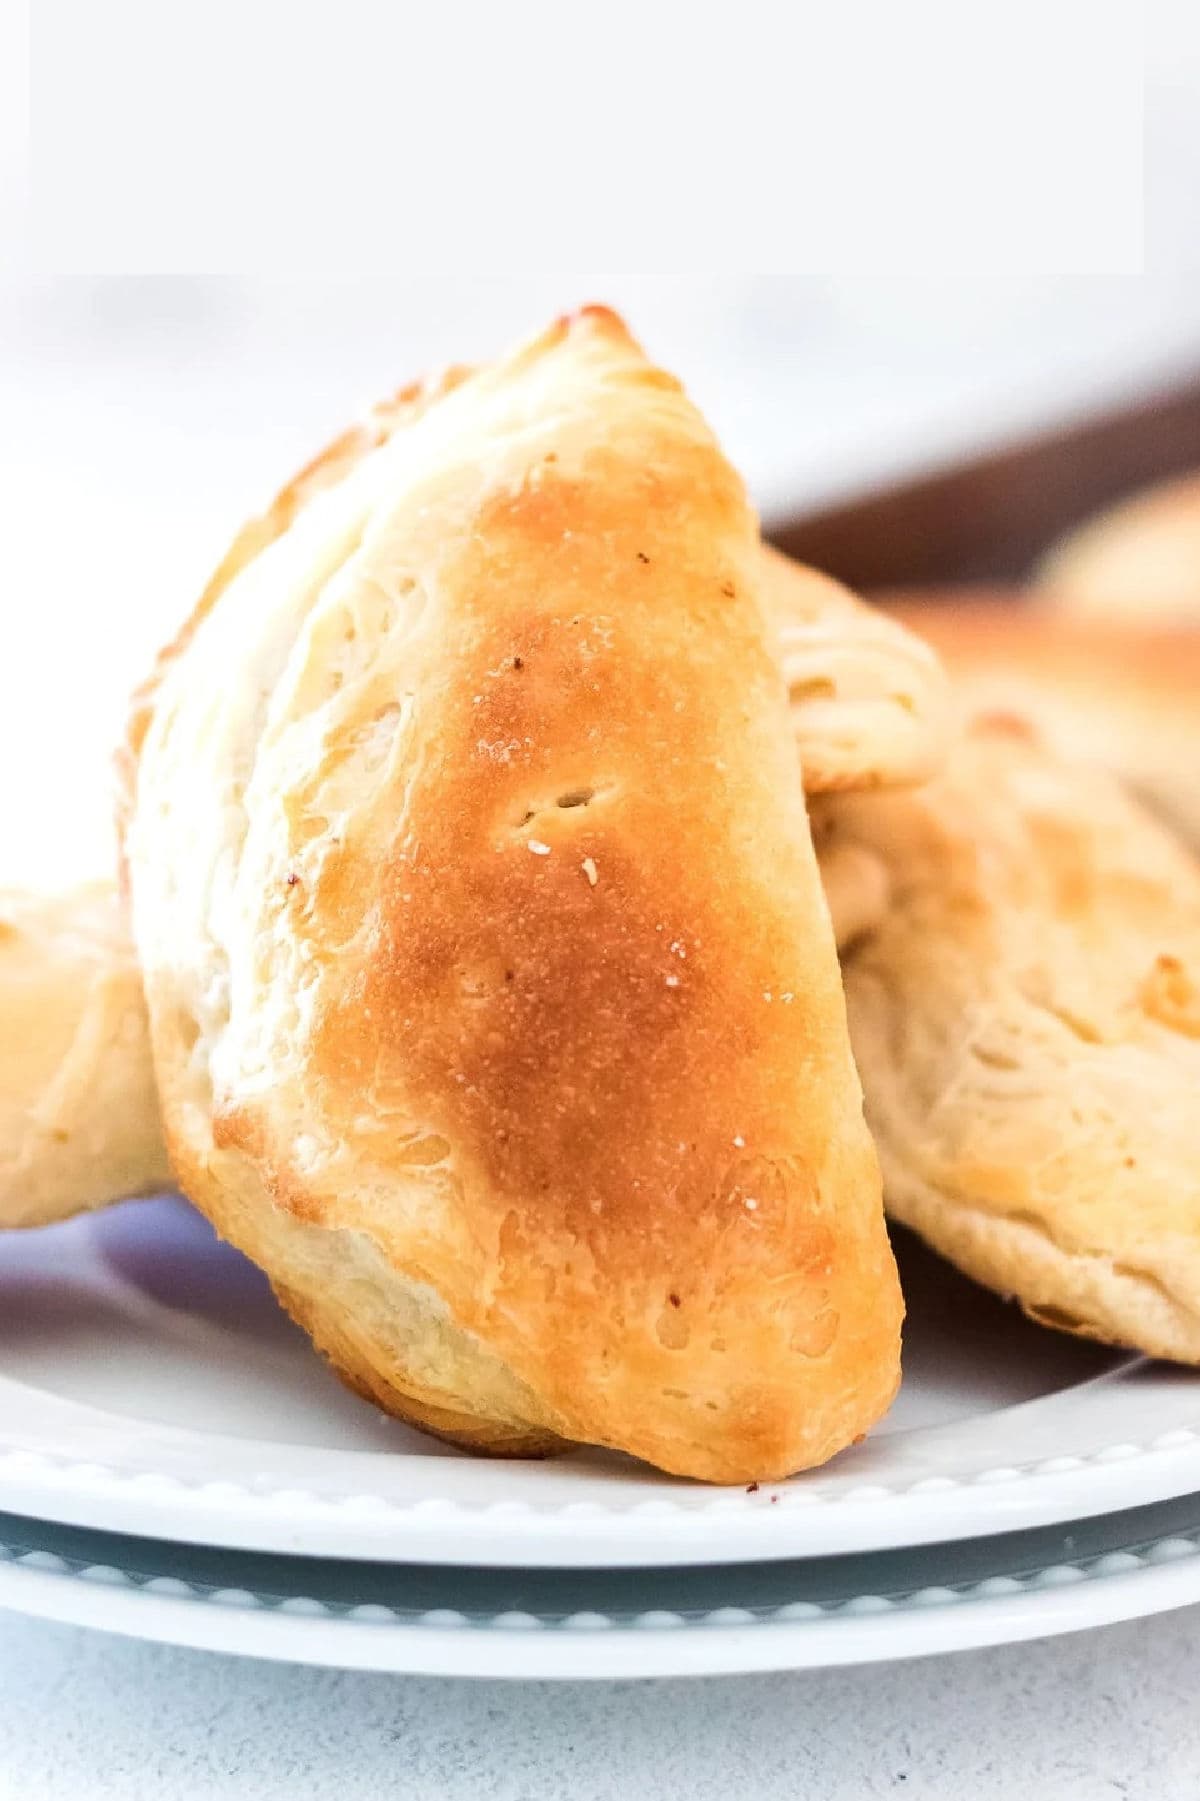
494,1005
856,880
868,698
1026,1021
78,1114
1139,562
868,708
1125,696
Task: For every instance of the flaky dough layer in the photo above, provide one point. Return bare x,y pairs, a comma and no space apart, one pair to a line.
1026,1021
869,700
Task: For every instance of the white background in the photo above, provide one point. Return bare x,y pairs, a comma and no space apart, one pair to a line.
956,190
866,136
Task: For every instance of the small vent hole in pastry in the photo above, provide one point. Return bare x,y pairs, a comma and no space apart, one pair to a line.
569,798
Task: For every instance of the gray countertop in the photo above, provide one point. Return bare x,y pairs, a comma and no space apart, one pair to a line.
1103,1713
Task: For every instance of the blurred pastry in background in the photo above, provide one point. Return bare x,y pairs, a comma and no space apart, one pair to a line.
1124,696
1026,1021
1138,561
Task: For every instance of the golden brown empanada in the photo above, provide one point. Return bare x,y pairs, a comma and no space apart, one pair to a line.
868,709
1026,1022
494,1004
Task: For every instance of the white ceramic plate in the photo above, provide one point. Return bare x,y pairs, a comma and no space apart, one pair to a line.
569,1624
149,1385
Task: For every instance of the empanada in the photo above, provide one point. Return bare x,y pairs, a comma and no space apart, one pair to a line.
868,709
1139,562
493,998
1026,1022
78,1113
1122,695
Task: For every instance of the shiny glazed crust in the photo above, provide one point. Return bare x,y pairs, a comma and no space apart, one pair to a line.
1125,696
493,997
1026,1021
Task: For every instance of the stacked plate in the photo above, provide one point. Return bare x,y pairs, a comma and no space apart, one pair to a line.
176,1464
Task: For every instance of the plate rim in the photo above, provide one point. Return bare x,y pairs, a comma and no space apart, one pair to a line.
1051,1599
1119,1434
261,1499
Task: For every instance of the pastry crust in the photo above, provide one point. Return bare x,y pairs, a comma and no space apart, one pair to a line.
78,1116
1124,696
1138,562
493,997
868,709
1026,1021
869,701
870,706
